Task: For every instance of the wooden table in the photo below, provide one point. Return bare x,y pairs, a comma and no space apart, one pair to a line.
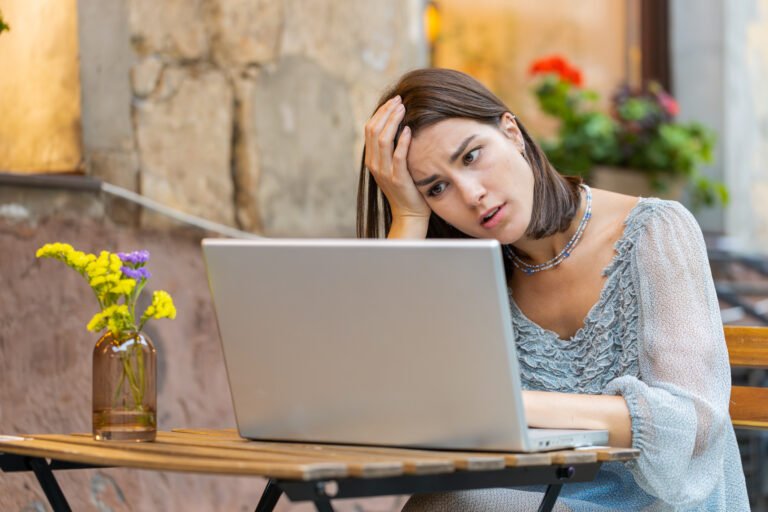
304,472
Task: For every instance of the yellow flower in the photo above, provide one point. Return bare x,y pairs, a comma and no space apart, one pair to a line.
99,266
79,260
119,319
56,250
124,287
97,322
104,274
115,263
161,307
116,317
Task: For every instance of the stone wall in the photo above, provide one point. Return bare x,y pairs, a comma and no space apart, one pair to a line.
248,113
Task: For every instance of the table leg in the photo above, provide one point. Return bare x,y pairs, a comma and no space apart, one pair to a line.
269,497
550,497
323,506
49,484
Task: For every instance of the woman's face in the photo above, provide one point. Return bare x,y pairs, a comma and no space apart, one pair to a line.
474,176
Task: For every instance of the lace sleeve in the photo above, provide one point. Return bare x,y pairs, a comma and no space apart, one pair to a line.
679,405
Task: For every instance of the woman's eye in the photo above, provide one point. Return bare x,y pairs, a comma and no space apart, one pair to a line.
436,190
471,156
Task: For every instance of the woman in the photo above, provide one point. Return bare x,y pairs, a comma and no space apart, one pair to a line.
615,313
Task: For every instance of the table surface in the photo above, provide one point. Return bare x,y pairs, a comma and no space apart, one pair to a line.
225,452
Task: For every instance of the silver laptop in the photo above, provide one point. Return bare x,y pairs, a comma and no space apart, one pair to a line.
396,343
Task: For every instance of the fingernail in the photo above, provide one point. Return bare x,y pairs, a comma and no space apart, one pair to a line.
397,98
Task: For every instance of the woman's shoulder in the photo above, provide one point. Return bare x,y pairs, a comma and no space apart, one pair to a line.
664,218
636,215
645,224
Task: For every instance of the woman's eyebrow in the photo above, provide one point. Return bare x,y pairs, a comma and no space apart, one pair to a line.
461,148
426,181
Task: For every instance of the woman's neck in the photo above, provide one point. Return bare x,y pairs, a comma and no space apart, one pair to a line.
544,249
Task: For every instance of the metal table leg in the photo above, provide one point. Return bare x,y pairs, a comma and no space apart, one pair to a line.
550,497
269,497
323,506
49,484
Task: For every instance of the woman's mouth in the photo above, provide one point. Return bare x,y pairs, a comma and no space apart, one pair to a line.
492,217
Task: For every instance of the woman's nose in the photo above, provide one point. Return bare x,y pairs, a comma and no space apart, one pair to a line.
472,192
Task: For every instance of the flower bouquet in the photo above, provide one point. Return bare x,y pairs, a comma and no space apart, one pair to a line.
639,133
124,369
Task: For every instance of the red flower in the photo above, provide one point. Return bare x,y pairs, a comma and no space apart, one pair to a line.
559,66
555,64
572,75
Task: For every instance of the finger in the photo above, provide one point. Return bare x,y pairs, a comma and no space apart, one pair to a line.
373,129
400,173
400,156
383,111
379,118
386,140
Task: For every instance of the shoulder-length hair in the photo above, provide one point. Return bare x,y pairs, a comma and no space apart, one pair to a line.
433,95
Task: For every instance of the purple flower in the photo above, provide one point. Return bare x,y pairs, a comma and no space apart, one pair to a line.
134,257
135,273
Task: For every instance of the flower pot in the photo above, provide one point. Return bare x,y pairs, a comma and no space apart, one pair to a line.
634,182
124,388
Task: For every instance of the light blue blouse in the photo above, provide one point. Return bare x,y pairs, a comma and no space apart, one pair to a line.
655,337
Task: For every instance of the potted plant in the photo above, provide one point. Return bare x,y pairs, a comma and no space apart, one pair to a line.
638,148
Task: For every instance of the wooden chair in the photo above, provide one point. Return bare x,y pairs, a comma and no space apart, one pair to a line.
748,348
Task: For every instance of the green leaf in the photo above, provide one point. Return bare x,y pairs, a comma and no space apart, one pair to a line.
3,25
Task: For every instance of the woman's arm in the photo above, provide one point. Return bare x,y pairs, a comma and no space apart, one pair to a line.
409,227
389,167
546,409
679,399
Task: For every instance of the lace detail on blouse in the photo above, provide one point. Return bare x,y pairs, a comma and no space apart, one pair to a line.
605,347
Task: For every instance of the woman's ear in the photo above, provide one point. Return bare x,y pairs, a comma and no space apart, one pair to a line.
508,126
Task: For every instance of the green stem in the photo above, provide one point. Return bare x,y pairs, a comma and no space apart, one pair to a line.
135,391
119,389
142,380
135,298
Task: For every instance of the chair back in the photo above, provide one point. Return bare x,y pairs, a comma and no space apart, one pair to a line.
748,348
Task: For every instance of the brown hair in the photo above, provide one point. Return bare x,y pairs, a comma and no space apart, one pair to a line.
433,95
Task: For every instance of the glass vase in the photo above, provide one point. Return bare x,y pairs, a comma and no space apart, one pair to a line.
124,388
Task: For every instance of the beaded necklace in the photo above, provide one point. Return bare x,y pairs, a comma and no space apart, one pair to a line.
529,269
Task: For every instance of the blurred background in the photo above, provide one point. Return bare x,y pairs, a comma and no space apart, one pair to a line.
149,124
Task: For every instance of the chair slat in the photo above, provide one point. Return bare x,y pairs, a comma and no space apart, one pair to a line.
749,407
747,346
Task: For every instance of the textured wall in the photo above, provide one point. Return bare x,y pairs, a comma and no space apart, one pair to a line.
248,113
